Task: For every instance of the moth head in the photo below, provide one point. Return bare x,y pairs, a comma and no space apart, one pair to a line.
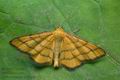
59,32
60,29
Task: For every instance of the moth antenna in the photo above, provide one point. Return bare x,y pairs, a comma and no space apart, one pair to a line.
70,15
48,18
76,30
113,59
66,18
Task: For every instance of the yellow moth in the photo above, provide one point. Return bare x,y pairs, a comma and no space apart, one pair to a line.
57,48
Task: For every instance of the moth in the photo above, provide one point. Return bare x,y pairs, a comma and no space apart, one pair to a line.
57,48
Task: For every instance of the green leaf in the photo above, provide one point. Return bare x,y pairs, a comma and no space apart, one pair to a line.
98,21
